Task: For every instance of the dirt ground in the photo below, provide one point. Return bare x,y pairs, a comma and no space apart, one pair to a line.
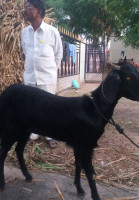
116,161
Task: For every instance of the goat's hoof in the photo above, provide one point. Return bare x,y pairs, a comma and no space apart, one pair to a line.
29,178
81,192
96,198
2,187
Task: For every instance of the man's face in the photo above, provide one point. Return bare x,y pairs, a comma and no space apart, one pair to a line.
30,12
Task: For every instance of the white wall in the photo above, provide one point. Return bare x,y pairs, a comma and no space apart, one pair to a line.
82,62
117,46
66,82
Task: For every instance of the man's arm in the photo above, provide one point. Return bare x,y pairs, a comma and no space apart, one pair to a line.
58,49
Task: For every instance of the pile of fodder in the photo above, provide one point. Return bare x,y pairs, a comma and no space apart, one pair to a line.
11,55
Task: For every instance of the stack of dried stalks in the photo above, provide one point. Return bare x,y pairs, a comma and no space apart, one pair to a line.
11,55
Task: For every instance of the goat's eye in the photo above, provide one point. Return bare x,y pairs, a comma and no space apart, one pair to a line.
128,78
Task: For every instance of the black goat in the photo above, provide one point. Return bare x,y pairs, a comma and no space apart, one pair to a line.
74,120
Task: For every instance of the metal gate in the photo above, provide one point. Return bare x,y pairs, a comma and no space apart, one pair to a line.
70,64
94,62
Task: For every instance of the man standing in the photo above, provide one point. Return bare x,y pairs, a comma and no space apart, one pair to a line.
42,47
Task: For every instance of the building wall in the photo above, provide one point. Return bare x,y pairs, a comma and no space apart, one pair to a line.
117,46
66,82
82,62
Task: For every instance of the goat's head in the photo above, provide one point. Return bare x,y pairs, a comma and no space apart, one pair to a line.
122,82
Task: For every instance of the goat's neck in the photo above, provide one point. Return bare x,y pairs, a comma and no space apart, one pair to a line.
104,107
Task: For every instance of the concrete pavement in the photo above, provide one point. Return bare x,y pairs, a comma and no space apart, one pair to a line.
44,187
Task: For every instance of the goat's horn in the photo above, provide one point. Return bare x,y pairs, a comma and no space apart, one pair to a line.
115,66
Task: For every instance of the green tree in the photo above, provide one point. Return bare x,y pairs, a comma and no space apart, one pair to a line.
97,18
57,7
125,15
81,14
128,15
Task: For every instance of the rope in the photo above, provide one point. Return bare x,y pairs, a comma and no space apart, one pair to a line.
112,122
121,131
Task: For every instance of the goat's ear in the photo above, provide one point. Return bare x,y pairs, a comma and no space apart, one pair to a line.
111,85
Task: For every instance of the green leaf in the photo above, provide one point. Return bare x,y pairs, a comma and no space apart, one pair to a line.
44,165
135,154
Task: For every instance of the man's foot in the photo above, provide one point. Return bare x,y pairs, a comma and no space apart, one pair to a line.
52,143
30,141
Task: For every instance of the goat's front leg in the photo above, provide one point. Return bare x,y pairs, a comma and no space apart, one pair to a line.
90,173
19,152
77,154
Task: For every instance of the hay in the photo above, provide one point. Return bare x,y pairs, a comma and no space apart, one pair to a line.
11,55
120,168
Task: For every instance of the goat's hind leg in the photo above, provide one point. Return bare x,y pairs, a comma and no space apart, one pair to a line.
5,147
19,152
77,182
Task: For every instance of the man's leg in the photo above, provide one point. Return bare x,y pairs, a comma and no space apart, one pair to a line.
51,88
33,136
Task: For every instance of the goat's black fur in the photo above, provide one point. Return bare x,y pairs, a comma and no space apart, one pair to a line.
74,120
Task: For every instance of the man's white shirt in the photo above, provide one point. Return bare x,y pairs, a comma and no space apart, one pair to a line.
43,53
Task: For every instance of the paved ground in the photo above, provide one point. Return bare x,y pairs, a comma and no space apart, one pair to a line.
44,188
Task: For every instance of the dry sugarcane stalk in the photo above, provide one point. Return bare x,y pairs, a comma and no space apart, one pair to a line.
59,191
123,158
125,175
